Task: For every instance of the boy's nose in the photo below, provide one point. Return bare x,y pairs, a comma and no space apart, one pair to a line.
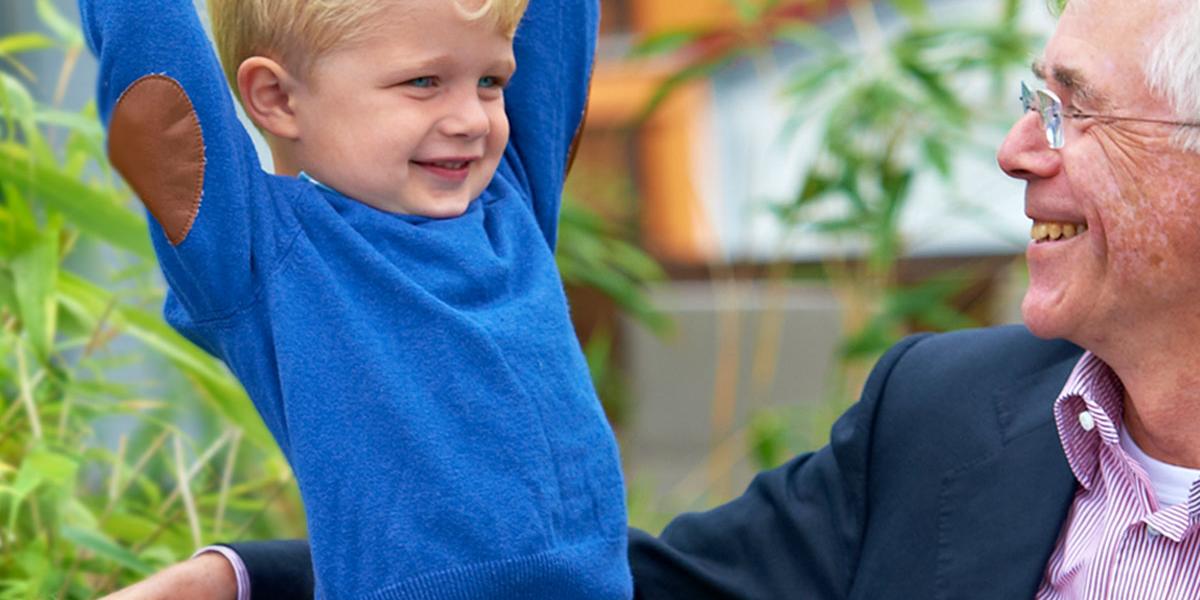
467,118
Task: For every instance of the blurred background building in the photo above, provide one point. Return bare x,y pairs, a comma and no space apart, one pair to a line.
700,183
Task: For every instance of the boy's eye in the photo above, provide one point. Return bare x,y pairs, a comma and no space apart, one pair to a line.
420,82
488,81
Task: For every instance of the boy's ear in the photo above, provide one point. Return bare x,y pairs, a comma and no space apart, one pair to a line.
267,92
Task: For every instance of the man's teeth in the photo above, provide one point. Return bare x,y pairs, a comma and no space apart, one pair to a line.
1045,232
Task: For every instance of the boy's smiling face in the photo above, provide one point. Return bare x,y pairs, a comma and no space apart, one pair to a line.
411,119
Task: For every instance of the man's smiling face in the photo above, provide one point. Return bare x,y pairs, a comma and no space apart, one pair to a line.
1136,267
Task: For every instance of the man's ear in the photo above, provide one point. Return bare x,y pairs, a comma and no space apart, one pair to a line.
267,91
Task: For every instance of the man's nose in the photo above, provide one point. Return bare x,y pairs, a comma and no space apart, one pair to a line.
1025,153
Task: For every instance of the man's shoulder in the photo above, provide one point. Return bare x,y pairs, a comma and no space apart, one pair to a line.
1005,352
976,379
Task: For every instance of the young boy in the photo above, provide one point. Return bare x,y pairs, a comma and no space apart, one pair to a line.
388,299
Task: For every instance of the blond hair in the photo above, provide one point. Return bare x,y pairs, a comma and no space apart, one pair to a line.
297,32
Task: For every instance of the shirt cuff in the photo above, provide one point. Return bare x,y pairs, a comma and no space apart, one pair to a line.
239,568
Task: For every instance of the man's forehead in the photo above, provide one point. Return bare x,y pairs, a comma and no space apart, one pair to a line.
1098,51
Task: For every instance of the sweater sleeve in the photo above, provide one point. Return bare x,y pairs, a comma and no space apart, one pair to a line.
174,135
555,47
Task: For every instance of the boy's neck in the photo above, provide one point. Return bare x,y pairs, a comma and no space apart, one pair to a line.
285,164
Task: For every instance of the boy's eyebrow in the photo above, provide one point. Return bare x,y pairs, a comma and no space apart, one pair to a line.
1073,80
434,62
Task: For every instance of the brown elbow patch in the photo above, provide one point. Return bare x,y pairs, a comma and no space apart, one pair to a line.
155,143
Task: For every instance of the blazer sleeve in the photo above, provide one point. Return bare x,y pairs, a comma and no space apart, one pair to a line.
277,568
174,135
555,47
794,533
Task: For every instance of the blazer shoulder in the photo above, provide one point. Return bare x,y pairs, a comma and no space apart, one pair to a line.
974,387
993,355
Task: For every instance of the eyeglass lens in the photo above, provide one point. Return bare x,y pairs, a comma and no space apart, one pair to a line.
1049,109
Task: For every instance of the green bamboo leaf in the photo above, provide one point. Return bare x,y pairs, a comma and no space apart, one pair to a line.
34,271
18,208
952,107
937,153
62,27
16,105
768,439
598,353
24,42
664,42
29,477
19,110
129,528
105,548
633,261
914,10
810,36
224,394
77,122
92,210
806,81
676,80
52,467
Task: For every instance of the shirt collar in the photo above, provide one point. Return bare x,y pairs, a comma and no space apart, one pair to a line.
1087,413
310,179
1094,390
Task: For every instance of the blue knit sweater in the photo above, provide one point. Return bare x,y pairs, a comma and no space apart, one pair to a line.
422,376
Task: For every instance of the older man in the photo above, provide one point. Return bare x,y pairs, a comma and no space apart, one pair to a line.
992,463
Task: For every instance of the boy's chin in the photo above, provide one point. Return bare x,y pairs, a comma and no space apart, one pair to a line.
439,206
427,207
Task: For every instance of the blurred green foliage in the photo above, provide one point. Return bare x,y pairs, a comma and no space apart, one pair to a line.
122,445
891,105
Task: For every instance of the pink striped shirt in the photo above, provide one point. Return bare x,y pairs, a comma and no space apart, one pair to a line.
1117,541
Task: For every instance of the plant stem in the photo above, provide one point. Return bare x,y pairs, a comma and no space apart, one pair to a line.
226,481
866,25
26,386
185,490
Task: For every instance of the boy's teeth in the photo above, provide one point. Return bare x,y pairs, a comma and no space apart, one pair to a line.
450,165
1046,231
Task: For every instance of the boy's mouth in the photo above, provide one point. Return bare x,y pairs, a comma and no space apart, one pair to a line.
450,169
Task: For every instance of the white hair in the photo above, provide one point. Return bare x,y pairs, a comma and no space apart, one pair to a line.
1173,71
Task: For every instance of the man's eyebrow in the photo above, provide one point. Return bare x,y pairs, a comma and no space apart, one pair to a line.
1073,80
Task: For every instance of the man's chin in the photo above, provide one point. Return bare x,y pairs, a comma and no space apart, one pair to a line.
1044,319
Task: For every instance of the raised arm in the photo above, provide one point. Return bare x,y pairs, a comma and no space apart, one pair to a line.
173,134
555,47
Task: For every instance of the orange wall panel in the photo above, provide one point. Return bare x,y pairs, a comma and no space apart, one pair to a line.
674,225
657,15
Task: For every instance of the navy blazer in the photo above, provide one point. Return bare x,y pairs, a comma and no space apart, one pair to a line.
946,480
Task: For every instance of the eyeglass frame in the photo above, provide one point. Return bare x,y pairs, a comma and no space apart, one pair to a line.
1050,112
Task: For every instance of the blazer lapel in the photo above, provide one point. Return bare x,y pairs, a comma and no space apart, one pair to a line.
1000,515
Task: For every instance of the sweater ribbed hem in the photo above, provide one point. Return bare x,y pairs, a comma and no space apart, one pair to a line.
594,571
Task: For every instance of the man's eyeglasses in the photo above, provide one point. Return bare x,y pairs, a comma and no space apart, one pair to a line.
1050,110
